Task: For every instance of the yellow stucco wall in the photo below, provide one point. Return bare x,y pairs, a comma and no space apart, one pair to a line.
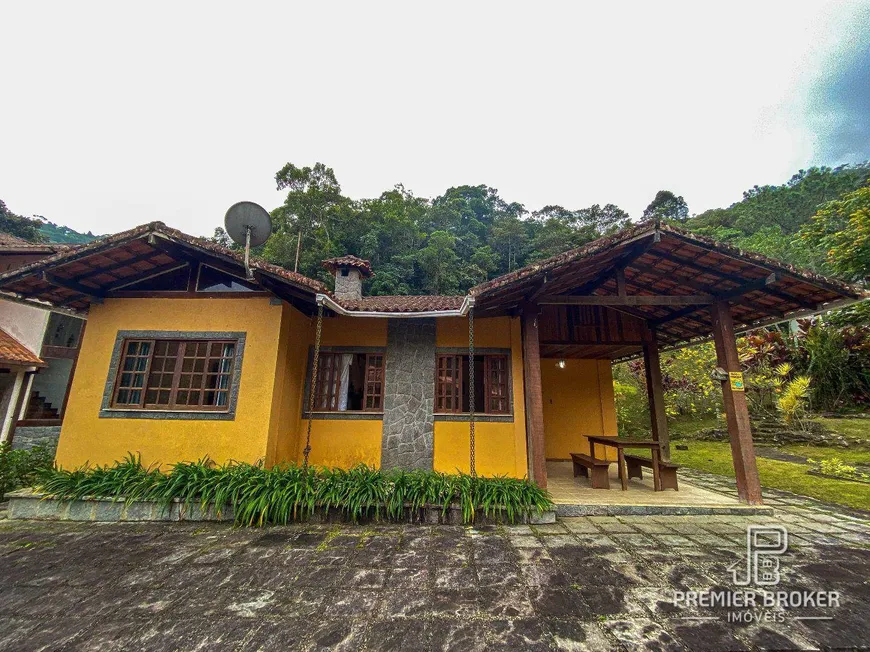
578,400
337,442
296,336
500,447
85,437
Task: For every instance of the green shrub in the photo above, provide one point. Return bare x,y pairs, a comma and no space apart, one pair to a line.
281,494
20,468
835,467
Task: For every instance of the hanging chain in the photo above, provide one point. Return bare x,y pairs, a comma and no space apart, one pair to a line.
471,388
313,389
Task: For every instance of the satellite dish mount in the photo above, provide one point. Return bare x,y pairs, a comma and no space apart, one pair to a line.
249,224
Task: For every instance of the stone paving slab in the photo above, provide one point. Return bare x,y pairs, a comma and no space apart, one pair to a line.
586,583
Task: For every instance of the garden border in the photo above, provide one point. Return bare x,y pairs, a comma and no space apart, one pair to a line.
26,504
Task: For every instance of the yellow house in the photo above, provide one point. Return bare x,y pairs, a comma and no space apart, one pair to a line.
187,354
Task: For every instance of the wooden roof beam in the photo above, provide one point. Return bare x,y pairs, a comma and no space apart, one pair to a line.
190,255
96,295
296,298
111,269
636,251
651,300
736,279
752,286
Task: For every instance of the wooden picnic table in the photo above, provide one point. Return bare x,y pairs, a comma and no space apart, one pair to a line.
620,444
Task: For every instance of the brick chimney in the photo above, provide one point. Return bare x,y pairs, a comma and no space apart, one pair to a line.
349,271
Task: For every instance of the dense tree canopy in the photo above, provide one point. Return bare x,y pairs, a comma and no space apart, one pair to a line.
26,228
667,206
841,229
440,246
816,220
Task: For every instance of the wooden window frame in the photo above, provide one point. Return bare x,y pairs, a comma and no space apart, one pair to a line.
177,374
328,376
457,385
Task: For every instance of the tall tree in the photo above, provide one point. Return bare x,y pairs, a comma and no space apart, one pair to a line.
313,199
841,228
667,206
439,263
26,228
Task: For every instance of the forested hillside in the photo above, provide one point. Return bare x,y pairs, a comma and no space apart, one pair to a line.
63,234
770,219
39,229
470,233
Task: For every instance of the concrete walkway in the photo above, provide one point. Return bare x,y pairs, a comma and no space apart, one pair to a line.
593,583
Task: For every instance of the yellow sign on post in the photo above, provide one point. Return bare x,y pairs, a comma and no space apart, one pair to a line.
736,378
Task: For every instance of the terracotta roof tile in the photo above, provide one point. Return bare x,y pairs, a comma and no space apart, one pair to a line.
14,352
68,255
9,239
420,303
13,244
363,266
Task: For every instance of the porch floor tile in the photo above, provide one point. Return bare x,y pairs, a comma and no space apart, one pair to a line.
568,490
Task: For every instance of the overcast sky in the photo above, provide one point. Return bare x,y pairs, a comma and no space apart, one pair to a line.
115,114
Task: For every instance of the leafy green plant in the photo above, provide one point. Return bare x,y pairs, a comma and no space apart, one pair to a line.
834,466
282,494
20,468
792,403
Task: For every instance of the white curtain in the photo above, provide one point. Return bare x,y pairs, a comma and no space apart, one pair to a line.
346,361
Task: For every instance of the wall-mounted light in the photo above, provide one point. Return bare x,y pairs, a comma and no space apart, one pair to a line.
561,364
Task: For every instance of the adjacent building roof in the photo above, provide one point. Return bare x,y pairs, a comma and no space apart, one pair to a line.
13,352
364,266
12,244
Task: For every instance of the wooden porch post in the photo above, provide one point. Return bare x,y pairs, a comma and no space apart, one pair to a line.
736,410
534,399
655,394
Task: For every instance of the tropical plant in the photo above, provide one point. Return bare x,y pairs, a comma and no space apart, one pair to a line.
21,468
258,495
792,403
834,466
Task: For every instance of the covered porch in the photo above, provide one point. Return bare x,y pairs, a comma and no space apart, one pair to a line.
576,497
630,295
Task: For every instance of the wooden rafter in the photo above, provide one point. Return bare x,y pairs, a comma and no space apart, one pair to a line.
637,300
73,286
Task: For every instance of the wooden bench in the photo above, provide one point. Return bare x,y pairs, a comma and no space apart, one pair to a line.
583,464
667,470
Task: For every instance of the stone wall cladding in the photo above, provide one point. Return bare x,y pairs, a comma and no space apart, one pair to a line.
27,437
409,395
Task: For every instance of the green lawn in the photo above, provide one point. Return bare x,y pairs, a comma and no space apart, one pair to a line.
848,455
859,428
715,457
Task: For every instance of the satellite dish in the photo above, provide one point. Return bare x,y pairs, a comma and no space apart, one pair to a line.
249,224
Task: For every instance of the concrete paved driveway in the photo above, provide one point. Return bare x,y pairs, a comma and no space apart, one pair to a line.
586,583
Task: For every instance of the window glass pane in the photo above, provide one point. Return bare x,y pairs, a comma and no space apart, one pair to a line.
166,388
172,281
212,280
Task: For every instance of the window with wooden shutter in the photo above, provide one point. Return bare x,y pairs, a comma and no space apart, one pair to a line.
189,375
349,382
491,384
496,384
448,383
